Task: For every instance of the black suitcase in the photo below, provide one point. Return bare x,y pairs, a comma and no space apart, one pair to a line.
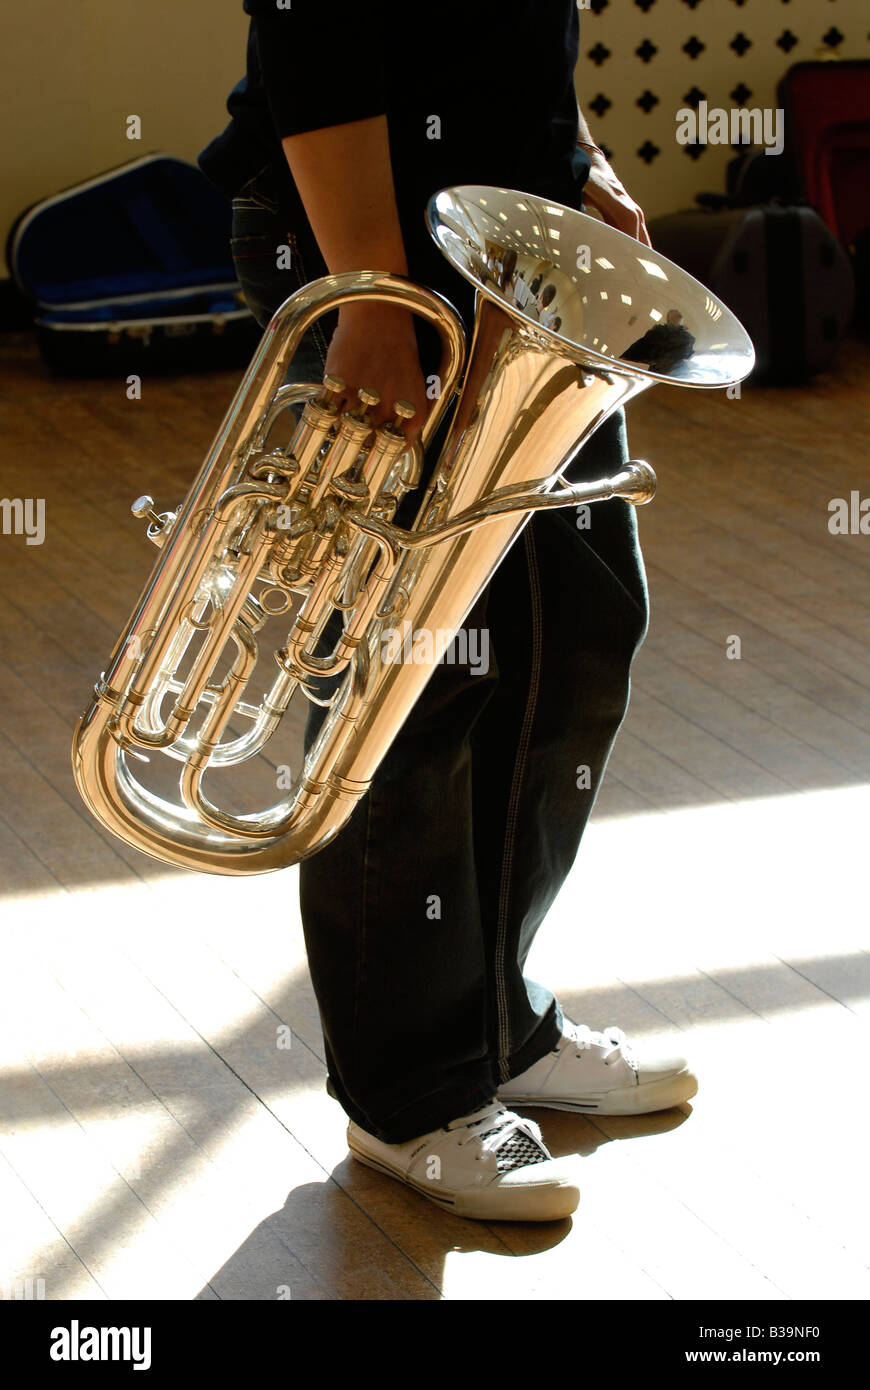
781,271
131,271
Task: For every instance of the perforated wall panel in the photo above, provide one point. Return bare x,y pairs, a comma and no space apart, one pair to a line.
642,61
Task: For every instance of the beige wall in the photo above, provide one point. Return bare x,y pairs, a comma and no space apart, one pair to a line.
75,69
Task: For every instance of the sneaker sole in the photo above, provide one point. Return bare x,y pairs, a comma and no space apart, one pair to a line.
630,1100
549,1203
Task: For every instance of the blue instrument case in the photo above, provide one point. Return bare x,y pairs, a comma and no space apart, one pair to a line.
131,271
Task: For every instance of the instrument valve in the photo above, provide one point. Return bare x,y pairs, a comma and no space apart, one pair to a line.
159,523
403,411
332,386
368,399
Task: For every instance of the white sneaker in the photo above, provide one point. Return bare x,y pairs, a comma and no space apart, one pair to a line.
598,1072
491,1165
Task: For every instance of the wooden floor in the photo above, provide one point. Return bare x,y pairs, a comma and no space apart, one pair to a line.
157,1143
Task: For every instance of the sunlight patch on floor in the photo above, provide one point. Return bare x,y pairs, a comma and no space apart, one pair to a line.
728,886
740,930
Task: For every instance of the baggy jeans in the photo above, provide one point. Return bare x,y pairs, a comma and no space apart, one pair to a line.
419,916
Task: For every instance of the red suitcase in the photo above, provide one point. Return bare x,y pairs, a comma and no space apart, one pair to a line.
827,113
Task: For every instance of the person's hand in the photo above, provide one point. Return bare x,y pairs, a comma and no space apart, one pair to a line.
605,192
375,346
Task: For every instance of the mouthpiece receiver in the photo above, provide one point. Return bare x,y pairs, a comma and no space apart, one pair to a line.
641,482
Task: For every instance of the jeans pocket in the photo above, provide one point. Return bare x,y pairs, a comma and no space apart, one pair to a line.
269,267
265,249
266,262
255,194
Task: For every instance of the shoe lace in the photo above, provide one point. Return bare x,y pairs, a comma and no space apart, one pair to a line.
513,1141
612,1040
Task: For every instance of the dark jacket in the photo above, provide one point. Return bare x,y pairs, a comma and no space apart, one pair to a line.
473,93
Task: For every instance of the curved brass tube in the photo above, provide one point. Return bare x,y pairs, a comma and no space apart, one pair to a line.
543,372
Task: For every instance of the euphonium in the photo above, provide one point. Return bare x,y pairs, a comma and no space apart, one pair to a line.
572,320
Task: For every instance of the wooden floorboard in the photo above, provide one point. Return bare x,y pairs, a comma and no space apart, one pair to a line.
157,1142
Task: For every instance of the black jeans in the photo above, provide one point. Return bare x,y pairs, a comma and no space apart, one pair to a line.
419,917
